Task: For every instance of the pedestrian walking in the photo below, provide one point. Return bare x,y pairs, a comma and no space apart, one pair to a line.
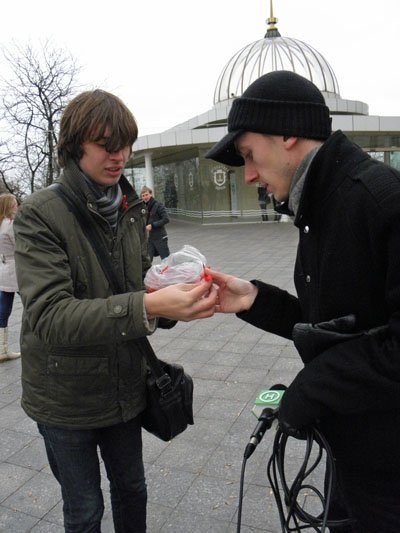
8,278
157,218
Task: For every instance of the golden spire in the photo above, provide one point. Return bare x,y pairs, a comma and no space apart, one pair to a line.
271,21
272,31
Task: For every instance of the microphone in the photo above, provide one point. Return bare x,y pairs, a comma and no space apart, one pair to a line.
272,397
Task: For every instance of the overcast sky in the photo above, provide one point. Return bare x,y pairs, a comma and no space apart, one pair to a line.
164,57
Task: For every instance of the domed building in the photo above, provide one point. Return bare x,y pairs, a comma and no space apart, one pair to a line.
172,163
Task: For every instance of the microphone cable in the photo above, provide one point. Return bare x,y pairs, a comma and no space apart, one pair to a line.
296,518
265,422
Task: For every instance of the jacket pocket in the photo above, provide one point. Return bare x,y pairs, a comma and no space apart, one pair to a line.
79,384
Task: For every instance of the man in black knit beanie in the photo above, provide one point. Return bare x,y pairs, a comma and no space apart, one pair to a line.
345,318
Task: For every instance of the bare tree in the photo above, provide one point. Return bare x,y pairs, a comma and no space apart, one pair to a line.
33,99
8,183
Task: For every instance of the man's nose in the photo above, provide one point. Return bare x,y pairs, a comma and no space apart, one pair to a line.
119,154
250,173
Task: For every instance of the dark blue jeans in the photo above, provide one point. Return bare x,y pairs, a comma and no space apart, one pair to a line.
74,462
6,304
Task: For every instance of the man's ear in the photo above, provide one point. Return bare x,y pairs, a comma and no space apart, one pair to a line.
289,142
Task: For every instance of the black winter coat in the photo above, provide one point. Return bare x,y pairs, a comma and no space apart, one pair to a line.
158,218
348,262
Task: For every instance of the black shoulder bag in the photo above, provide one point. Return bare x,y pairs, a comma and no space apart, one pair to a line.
169,390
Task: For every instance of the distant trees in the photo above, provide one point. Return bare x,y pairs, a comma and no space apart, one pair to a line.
32,99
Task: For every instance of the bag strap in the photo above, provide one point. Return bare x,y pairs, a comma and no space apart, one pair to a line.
86,223
163,380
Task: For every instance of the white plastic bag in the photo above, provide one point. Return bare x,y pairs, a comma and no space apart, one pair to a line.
185,266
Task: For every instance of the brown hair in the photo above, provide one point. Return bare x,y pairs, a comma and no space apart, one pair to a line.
86,118
6,206
146,189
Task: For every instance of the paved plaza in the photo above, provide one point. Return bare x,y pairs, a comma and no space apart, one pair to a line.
193,481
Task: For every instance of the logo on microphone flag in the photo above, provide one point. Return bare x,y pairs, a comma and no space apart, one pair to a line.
267,398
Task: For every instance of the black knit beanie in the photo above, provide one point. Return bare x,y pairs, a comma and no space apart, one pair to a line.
278,103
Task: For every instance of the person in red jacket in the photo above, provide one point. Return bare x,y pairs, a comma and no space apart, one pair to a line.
345,317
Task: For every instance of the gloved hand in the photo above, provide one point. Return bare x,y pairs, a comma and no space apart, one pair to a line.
312,339
295,416
297,433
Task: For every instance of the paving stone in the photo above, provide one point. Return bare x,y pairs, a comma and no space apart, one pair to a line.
260,361
181,344
206,387
48,527
215,498
183,522
28,426
226,463
167,486
234,390
240,347
216,372
228,358
223,408
273,340
211,345
186,456
198,402
259,509
11,392
171,354
152,447
11,414
10,372
248,375
288,364
12,521
239,433
36,497
190,367
33,455
12,478
55,515
206,432
157,516
267,350
196,356
11,442
201,331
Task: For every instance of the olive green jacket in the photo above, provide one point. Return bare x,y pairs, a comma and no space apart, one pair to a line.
81,367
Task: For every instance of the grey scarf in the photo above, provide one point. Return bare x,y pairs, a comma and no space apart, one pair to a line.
296,187
108,201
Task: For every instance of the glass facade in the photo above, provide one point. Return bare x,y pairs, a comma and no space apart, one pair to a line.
394,160
385,148
202,190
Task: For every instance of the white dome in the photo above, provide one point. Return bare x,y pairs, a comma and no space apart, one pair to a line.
274,53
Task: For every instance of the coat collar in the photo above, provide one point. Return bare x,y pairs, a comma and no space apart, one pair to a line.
336,159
